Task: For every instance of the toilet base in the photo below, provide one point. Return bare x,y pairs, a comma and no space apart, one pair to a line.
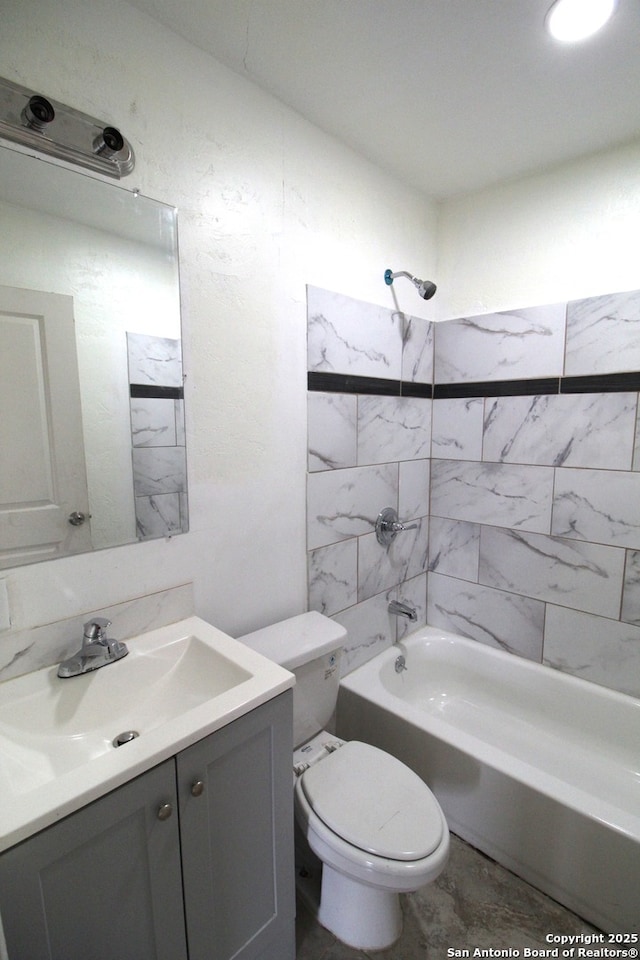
361,916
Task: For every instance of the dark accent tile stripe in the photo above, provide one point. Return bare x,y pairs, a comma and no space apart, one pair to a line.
496,388
410,389
345,383
139,390
601,383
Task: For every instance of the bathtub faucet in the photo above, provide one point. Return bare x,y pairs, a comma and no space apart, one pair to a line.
400,609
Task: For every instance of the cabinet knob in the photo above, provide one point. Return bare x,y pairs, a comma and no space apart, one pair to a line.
165,811
197,788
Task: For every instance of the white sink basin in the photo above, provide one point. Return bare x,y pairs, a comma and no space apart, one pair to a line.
177,684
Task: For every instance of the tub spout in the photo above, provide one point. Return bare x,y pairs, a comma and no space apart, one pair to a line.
400,609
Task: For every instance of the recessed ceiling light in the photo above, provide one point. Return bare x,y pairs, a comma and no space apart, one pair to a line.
573,20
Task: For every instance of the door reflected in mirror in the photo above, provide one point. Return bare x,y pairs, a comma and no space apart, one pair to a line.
92,447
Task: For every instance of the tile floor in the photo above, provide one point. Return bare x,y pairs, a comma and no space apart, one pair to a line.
474,903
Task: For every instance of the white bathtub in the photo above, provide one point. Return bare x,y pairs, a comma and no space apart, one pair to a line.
538,769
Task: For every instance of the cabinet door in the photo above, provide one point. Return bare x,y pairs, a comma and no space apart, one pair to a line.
103,884
236,823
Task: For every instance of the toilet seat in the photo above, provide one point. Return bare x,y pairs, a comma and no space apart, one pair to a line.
374,803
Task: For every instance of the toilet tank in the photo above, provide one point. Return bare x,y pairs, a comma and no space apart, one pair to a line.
310,646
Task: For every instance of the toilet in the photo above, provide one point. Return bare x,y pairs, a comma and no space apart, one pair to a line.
372,823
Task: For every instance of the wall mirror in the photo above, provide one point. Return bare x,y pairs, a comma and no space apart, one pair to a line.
92,449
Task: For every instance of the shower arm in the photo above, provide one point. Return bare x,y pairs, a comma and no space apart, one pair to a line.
400,273
425,288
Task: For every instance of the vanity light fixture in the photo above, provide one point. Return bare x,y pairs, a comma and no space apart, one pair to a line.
33,121
572,20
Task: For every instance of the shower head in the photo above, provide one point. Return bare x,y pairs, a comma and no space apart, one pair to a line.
426,288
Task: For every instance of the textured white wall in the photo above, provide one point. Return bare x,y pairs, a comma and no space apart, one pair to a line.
267,203
565,234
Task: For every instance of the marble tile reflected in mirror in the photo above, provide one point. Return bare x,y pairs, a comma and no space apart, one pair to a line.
157,436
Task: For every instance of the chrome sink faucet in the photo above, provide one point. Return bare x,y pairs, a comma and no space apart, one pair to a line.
97,650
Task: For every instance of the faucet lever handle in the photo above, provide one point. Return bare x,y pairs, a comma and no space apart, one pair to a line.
96,629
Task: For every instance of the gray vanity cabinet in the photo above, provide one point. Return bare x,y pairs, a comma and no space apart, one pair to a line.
236,816
190,861
103,883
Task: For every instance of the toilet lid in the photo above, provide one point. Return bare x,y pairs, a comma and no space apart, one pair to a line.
374,802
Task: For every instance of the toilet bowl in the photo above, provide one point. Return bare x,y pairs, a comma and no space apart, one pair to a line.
378,831
373,824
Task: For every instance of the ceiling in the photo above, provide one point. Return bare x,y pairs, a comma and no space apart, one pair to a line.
449,95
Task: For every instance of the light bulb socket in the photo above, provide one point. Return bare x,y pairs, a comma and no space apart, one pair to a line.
38,113
109,143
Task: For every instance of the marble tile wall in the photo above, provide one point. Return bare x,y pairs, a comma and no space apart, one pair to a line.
369,447
157,436
522,473
535,498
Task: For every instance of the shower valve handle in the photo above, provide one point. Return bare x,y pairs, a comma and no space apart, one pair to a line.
388,526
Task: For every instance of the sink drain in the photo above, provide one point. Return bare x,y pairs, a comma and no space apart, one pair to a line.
125,737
